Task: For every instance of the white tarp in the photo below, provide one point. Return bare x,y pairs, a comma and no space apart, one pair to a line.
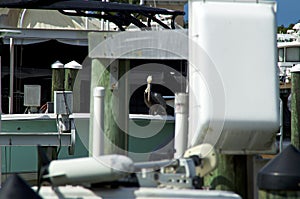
45,19
52,19
36,26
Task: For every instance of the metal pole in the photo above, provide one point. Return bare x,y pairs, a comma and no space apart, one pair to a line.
295,106
0,87
107,22
0,121
281,127
98,122
11,83
181,124
102,21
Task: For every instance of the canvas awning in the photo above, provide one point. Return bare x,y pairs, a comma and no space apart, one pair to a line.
36,26
45,19
52,19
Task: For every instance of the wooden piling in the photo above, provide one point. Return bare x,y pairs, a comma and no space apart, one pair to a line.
116,115
116,107
58,78
121,136
70,76
71,71
295,136
230,175
295,107
284,194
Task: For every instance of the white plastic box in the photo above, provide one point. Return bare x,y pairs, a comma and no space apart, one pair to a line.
233,83
32,95
63,102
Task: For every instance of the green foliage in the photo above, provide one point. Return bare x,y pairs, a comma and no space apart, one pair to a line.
291,26
283,29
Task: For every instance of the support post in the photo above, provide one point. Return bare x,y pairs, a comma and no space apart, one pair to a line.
230,174
281,194
58,78
11,79
295,136
0,120
181,124
98,122
100,77
295,107
111,73
121,101
71,70
116,101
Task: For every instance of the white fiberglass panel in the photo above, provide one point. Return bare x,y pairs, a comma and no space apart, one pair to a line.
233,83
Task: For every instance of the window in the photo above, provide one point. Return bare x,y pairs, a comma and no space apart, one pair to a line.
293,54
281,54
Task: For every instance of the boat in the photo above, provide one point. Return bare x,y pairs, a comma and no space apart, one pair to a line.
288,47
223,121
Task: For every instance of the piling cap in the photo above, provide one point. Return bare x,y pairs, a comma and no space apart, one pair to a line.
282,172
295,68
57,64
73,65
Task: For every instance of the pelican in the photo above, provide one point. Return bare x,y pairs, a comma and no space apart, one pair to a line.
154,101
